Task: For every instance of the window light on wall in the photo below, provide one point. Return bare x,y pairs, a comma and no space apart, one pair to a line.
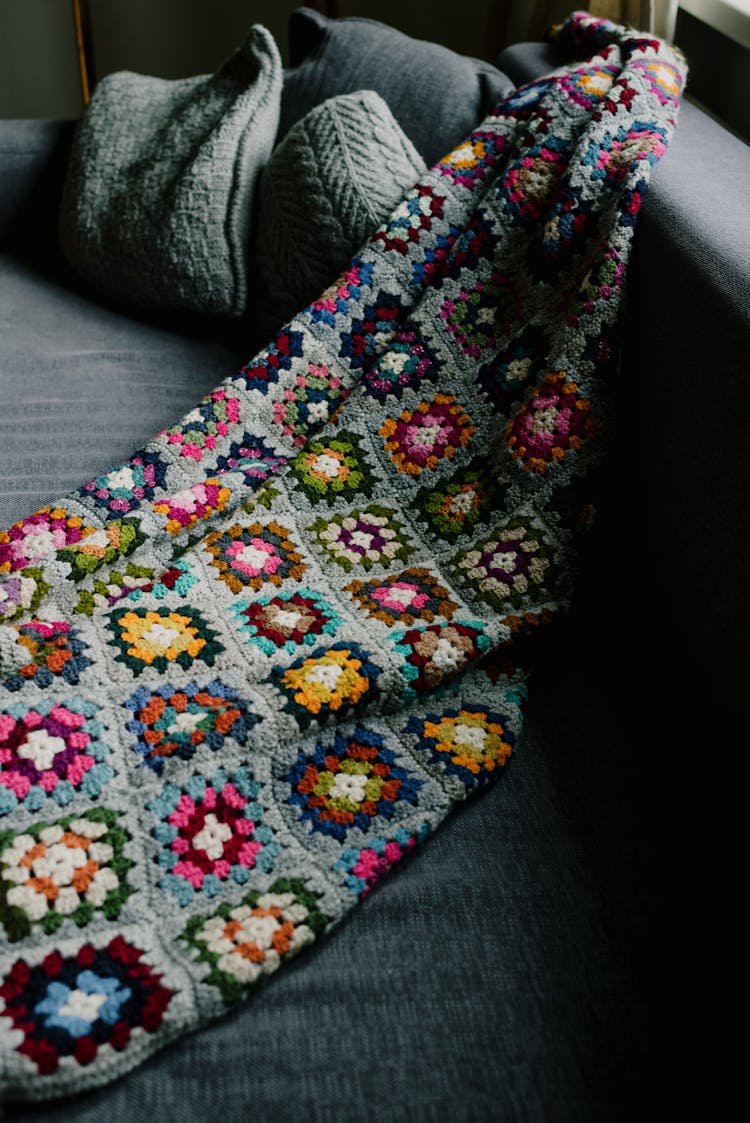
730,17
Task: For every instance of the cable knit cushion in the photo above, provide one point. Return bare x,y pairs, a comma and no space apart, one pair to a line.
332,180
436,95
158,198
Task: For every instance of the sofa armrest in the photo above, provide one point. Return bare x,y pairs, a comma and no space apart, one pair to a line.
33,161
523,62
683,457
705,216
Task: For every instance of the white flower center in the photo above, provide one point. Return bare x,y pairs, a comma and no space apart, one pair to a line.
327,674
445,655
212,836
428,435
38,544
78,1004
123,477
185,723
327,465
362,538
257,930
395,361
471,735
287,618
463,501
465,152
41,748
59,862
348,785
98,540
253,557
552,229
403,596
519,368
318,411
544,420
504,560
161,636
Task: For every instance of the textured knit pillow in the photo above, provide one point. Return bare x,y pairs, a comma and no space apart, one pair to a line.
332,180
158,197
437,95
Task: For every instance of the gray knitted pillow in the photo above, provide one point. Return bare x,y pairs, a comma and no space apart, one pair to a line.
336,175
436,94
159,190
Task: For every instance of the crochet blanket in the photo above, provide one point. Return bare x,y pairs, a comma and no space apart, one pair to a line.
248,671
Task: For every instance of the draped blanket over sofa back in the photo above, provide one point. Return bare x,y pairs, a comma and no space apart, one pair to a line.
248,671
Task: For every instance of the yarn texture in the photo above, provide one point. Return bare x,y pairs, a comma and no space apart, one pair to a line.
160,185
336,175
251,669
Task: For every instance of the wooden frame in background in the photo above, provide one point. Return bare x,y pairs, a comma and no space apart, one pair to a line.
84,48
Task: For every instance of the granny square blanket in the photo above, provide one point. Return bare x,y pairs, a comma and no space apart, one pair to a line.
248,671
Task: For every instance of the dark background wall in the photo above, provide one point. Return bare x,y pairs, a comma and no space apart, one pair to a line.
719,72
179,38
39,74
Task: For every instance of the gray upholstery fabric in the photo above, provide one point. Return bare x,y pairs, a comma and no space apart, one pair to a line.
336,175
159,193
523,62
436,95
82,387
30,153
33,163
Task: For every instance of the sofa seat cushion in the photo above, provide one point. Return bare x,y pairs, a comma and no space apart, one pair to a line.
84,387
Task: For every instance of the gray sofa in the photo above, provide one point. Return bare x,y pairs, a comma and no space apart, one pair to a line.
521,967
